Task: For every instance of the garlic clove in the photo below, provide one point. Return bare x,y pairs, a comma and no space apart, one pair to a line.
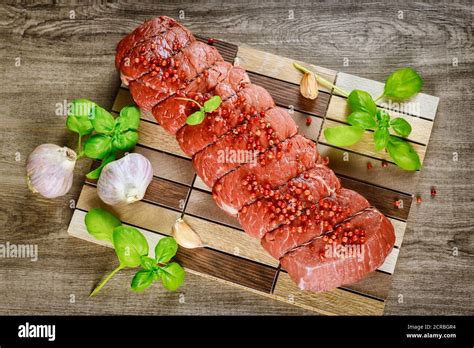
309,86
49,170
185,236
125,181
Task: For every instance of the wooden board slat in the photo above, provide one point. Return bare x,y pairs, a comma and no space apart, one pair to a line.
167,166
277,67
366,144
422,105
354,165
335,302
202,261
154,136
338,110
287,94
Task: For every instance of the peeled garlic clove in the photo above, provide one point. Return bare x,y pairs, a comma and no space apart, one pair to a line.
49,170
185,236
125,181
309,86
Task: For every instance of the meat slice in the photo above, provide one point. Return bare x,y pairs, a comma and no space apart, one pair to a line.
222,79
150,28
322,265
249,102
321,218
290,203
180,71
154,54
282,162
243,144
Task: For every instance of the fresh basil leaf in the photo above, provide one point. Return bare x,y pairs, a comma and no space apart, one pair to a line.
79,124
343,135
362,119
125,141
102,120
403,154
196,118
165,249
148,263
172,276
98,146
81,107
212,103
100,223
142,280
361,101
130,245
95,174
129,118
403,84
381,136
401,126
157,274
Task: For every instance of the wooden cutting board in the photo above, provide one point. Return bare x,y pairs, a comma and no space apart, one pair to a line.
230,255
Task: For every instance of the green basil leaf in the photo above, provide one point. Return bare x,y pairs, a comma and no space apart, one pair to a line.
403,154
129,118
381,136
81,107
362,101
148,263
100,223
102,120
362,119
195,118
130,245
212,103
403,84
125,141
79,124
95,174
165,249
401,126
98,146
172,276
157,274
343,135
142,280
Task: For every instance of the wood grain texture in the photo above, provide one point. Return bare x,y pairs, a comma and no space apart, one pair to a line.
327,303
327,34
278,67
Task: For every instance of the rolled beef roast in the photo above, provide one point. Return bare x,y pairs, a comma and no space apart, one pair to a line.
250,153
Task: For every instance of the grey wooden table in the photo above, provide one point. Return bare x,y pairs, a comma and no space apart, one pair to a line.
51,54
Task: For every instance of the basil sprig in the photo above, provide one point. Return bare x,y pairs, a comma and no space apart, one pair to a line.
132,251
365,114
209,106
106,134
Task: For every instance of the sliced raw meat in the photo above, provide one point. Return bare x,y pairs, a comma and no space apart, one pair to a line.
154,54
243,144
282,162
322,217
222,79
180,70
289,203
150,28
250,101
322,265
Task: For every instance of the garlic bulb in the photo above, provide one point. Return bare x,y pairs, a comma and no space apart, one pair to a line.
185,236
50,169
125,180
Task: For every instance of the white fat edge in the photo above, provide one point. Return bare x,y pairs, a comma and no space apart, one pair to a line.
228,209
